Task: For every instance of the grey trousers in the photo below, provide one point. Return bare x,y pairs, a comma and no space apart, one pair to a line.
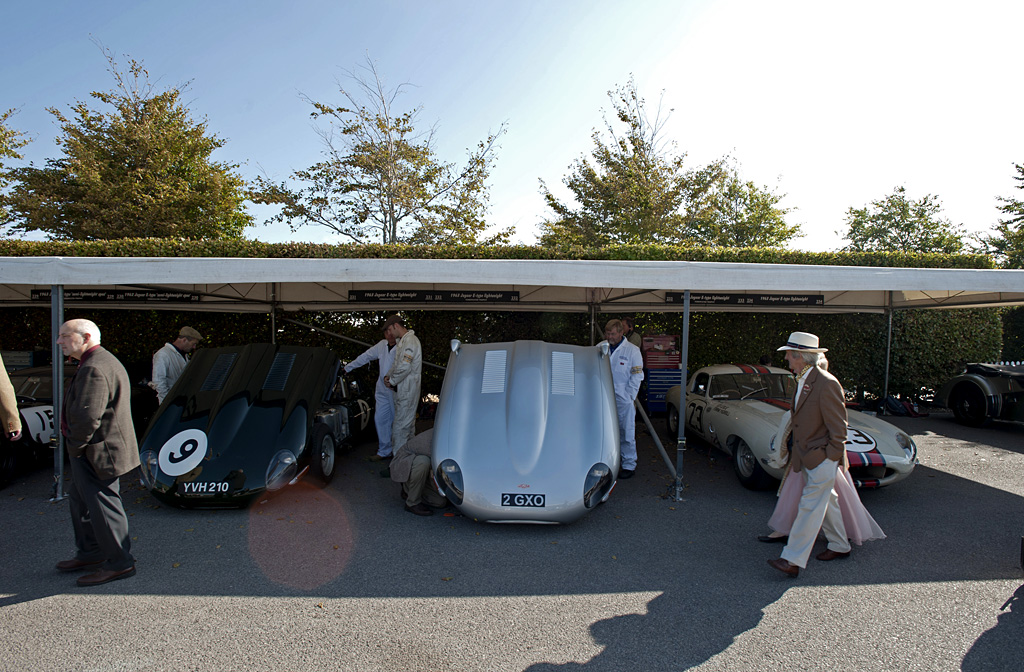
420,486
98,518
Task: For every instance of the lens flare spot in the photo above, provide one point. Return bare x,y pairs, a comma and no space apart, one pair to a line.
301,556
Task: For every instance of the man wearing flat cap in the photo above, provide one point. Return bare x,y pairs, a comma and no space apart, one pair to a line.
170,360
404,378
816,437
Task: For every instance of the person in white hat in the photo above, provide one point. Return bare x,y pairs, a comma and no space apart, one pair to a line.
816,439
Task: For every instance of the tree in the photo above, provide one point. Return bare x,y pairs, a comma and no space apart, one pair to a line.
737,213
635,188
900,224
11,141
1008,243
631,189
142,170
381,178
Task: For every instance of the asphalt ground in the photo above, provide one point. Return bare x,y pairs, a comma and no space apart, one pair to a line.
343,578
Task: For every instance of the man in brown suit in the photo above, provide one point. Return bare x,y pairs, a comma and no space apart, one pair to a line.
817,447
96,421
9,406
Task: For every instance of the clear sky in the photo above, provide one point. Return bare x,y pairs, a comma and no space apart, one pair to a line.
834,104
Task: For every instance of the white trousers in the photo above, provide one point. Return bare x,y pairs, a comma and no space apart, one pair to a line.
627,433
407,401
383,417
819,511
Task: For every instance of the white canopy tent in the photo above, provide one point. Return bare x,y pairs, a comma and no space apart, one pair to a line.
262,285
271,285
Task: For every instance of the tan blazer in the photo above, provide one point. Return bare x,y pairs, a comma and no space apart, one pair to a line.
819,422
98,411
8,402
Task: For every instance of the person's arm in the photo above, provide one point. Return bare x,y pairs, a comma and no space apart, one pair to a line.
160,374
833,415
404,361
372,353
636,373
9,401
89,406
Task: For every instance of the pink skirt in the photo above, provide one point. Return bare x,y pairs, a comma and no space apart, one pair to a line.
860,526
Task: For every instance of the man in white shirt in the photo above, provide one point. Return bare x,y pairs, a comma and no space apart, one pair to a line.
627,374
384,409
170,360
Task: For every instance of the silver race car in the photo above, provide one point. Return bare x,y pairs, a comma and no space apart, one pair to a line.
738,409
526,432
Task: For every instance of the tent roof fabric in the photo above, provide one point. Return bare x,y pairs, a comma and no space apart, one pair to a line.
247,284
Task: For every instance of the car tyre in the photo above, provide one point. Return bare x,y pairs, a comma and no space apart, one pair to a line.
750,473
969,405
324,460
673,421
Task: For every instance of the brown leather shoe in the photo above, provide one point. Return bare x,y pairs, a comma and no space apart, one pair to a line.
785,567
74,564
105,576
379,458
829,554
419,510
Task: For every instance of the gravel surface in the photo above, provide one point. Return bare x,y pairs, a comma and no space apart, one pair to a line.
343,578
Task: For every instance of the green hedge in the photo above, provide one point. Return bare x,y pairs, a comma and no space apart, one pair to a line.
162,247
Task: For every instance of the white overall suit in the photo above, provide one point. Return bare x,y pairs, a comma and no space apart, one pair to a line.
384,409
627,374
405,375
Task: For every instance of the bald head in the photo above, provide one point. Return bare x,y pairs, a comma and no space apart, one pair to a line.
78,336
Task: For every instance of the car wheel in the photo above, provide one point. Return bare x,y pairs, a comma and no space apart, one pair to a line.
750,473
324,457
969,405
673,421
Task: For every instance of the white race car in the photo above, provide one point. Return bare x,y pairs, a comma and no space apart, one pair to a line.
738,409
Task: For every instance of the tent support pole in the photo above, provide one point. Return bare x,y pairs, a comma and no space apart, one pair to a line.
273,313
593,316
57,359
654,435
684,364
888,354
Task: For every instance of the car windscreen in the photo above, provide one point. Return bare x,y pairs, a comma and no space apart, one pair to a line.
734,386
37,386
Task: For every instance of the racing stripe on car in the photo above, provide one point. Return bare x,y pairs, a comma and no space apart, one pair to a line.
744,368
780,403
872,458
867,483
761,369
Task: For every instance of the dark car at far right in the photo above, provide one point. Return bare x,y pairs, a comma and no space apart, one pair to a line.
985,392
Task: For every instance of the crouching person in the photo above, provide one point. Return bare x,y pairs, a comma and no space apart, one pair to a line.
411,468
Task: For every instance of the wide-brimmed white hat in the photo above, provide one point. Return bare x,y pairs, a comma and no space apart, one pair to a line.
804,342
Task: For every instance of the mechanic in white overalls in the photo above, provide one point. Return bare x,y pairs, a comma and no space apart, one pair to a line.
404,378
627,374
384,410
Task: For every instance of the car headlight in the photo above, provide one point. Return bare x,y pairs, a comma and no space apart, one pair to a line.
908,445
282,469
149,468
599,479
449,478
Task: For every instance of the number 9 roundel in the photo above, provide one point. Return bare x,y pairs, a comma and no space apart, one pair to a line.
182,452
